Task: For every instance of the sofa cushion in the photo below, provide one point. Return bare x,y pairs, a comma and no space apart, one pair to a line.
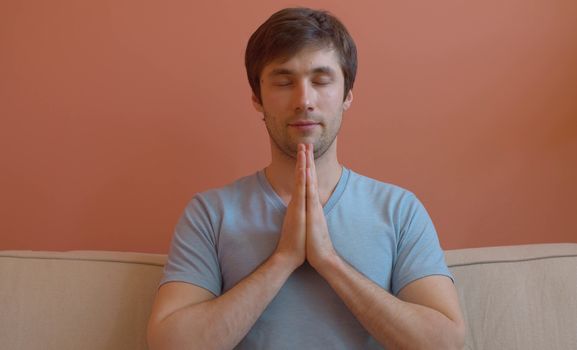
518,297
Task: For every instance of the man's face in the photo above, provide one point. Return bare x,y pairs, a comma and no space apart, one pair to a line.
302,100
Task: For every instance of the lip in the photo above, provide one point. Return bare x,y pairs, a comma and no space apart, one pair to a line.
304,125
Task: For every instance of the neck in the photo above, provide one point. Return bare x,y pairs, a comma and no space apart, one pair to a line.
281,173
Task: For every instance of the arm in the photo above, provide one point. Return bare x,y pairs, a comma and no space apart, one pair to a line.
425,316
185,316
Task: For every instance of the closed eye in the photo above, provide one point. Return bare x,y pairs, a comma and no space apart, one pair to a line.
322,80
282,82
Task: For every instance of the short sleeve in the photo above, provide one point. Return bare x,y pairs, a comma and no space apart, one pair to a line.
192,257
419,253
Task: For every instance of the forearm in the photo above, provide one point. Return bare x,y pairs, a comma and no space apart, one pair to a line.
222,322
394,323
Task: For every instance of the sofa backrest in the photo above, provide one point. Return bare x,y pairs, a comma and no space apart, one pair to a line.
517,297
76,300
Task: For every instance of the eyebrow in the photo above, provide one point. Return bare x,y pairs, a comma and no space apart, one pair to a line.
318,70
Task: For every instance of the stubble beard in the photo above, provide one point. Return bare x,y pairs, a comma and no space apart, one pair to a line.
289,148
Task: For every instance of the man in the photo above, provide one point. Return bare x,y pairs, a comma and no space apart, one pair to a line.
305,254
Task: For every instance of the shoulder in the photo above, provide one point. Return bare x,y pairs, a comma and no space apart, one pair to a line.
217,199
364,186
395,202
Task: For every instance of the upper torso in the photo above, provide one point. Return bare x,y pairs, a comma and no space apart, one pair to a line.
380,229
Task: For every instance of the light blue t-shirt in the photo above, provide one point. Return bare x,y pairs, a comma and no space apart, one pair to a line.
381,230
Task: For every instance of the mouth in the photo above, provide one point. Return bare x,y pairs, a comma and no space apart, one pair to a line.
304,125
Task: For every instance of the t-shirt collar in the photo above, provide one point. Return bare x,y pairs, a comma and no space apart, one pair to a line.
275,199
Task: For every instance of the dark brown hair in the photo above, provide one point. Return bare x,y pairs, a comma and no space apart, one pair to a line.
290,30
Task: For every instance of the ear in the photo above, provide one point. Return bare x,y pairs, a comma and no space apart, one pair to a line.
348,100
256,104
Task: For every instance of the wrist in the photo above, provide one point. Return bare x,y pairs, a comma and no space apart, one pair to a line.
327,263
285,261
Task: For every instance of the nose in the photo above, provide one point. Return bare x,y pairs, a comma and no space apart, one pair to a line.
304,96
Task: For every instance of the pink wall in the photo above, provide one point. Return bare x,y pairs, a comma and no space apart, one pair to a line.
114,113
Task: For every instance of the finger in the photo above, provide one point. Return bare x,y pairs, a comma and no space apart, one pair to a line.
310,155
301,159
311,162
312,195
300,174
309,186
312,159
310,183
313,171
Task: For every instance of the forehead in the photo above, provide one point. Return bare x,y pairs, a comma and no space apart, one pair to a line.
306,60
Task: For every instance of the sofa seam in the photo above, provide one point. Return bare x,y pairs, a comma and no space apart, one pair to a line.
503,261
82,259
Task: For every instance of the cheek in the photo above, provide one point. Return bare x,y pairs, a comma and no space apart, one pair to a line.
274,101
333,99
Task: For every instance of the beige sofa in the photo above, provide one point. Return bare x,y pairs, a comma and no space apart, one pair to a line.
515,297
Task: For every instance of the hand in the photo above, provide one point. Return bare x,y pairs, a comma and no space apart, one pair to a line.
319,247
292,240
